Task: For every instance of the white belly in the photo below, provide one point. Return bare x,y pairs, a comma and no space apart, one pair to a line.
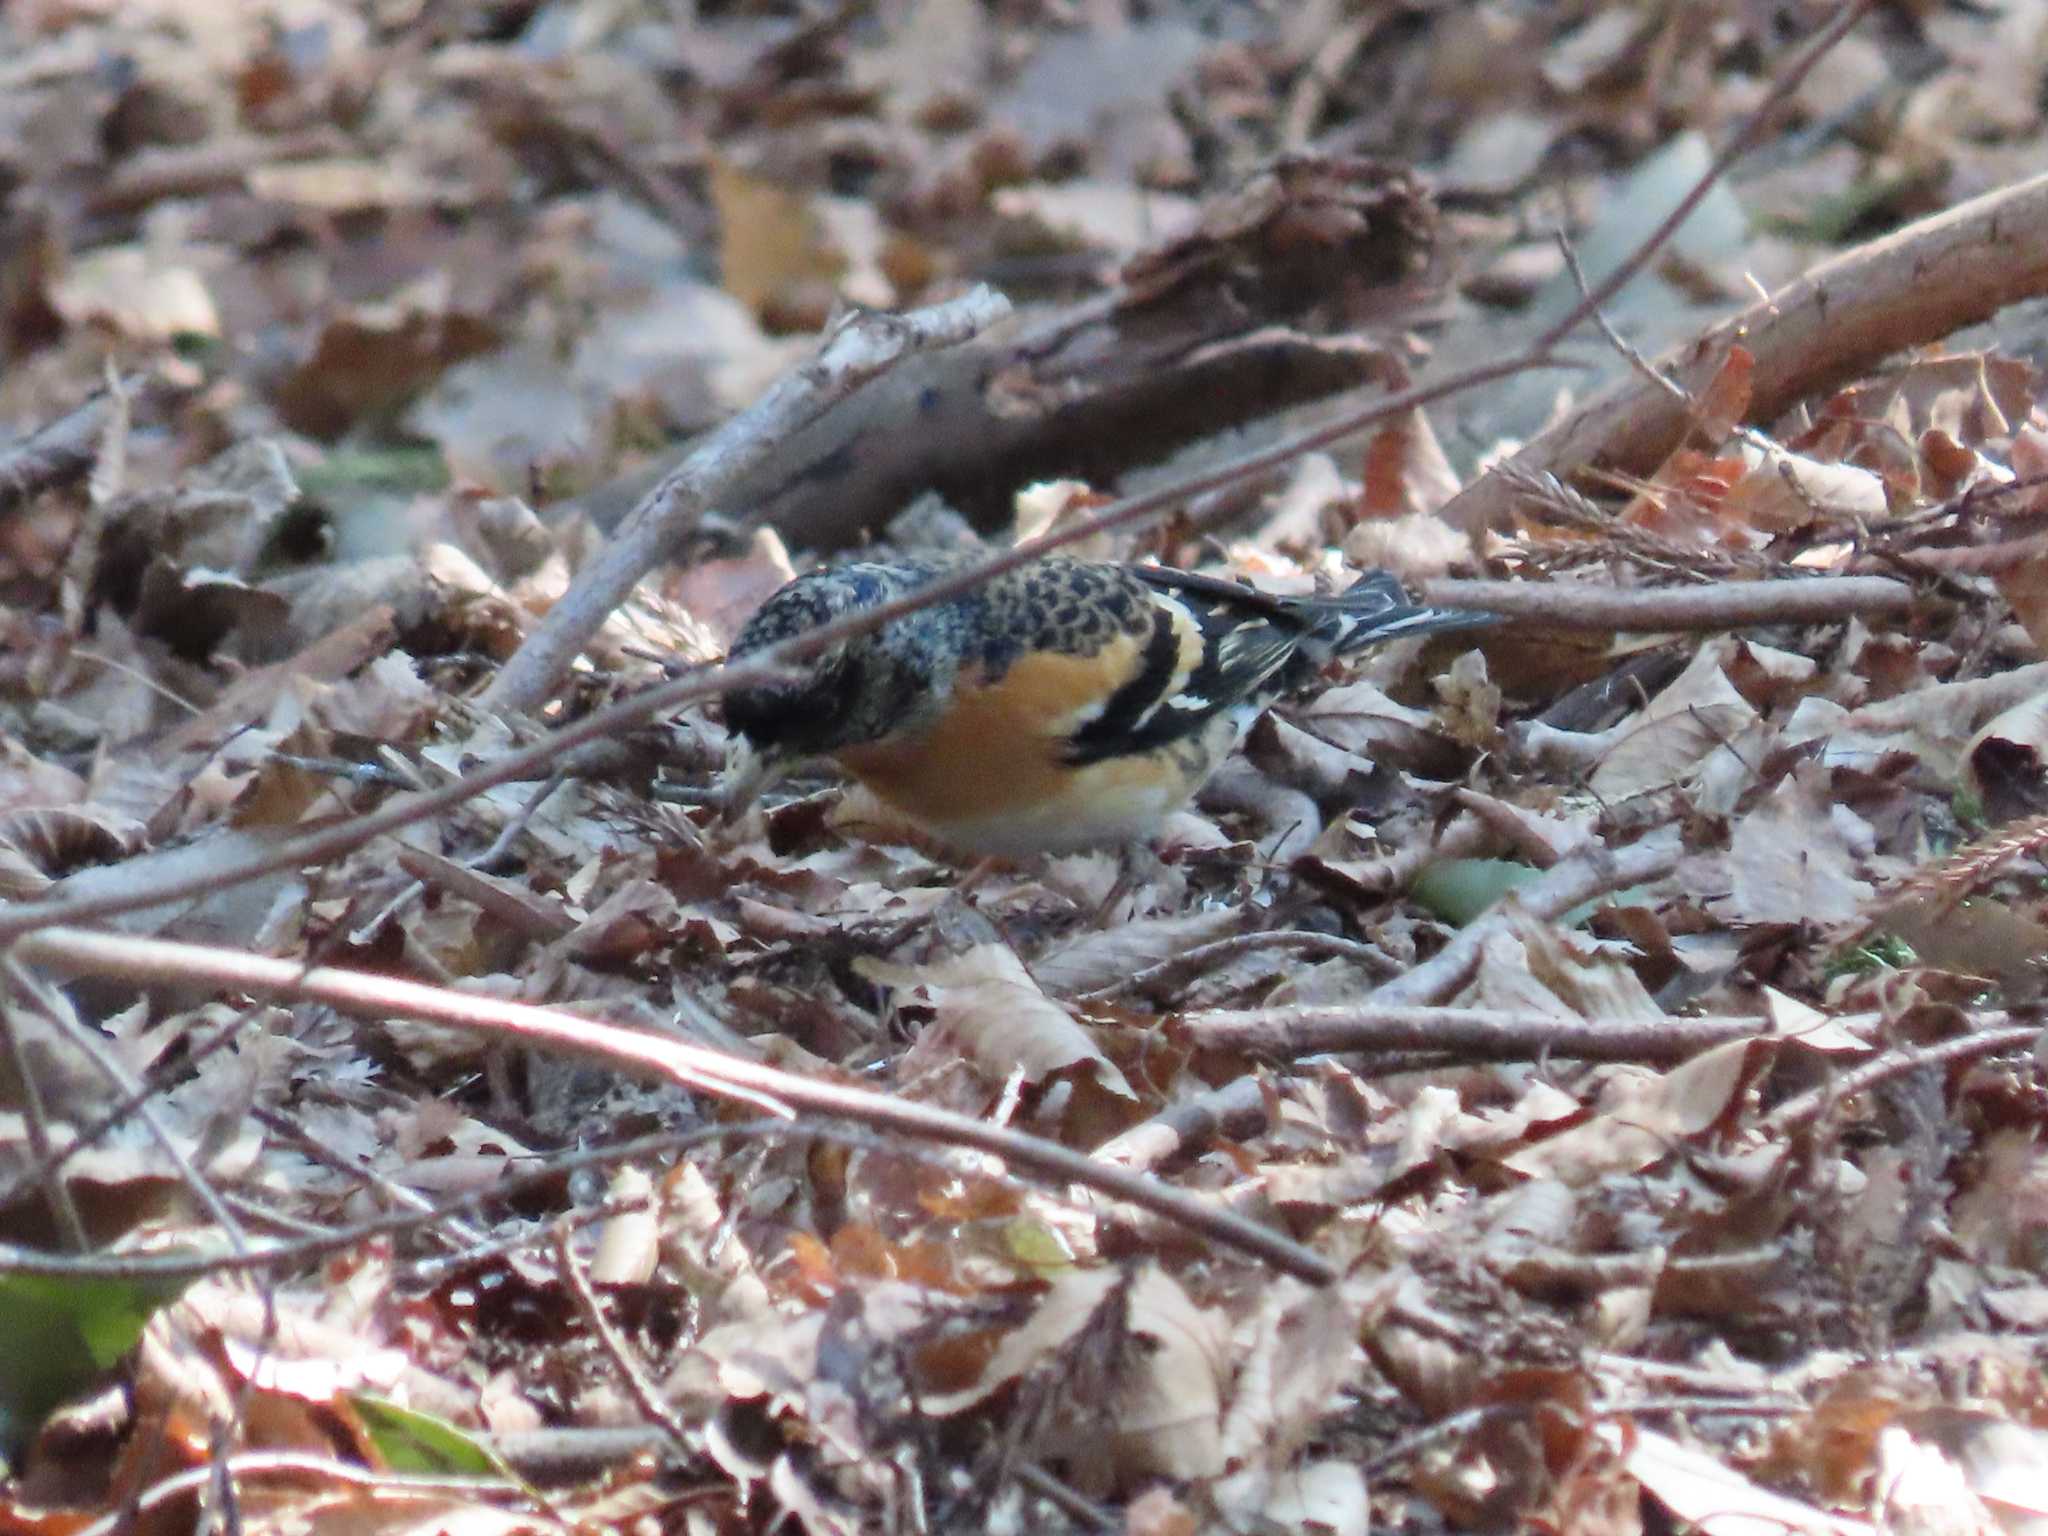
1106,818
1104,805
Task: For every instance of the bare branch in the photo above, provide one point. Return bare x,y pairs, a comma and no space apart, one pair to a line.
1840,320
1285,1033
864,346
1578,878
724,1076
1724,606
1994,1034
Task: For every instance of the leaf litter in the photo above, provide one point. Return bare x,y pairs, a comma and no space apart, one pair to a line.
424,301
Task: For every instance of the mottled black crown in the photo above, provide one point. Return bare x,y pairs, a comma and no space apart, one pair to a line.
845,685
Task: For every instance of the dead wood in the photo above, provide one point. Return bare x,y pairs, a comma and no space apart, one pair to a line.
1842,319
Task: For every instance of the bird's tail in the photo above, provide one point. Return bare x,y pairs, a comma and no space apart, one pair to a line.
1374,609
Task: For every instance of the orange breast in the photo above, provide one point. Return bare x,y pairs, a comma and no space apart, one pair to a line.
999,745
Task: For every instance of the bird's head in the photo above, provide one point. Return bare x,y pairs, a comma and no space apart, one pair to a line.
853,692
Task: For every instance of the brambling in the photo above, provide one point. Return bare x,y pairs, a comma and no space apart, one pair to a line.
1061,705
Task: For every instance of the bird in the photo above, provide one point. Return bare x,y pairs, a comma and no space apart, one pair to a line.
1060,706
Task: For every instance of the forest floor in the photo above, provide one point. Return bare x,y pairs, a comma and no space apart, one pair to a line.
1580,1075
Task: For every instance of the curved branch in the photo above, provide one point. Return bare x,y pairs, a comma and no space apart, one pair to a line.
1842,319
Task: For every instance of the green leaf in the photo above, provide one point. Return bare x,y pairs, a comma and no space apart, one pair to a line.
1033,1243
62,1332
1458,890
410,1441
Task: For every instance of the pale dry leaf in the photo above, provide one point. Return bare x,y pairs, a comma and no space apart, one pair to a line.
987,1001
1532,965
1069,1302
1712,1498
1471,700
1406,471
1168,1413
1643,1118
1691,721
1360,718
1788,491
1115,218
1921,1492
774,244
2006,763
628,1244
2025,587
2021,1308
2003,1215
1797,858
2001,1462
1416,546
1298,513
1426,1351
1595,984
1105,955
1296,1352
1593,51
1798,1024
37,845
341,184
638,916
137,292
1314,1498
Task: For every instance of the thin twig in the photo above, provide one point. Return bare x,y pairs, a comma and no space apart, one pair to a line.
299,1252
1071,1502
692,1066
1288,1033
1797,1113
285,1127
1724,606
1971,559
115,1072
639,1386
1578,878
157,1081
1237,1109
300,1464
1747,132
306,1250
56,1190
1206,957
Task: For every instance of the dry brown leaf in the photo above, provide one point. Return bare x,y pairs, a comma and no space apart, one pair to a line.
137,292
2006,763
1788,491
40,846
987,1001
1798,857
1714,1499
1644,1117
1405,470
1112,954
1689,731
1068,1305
